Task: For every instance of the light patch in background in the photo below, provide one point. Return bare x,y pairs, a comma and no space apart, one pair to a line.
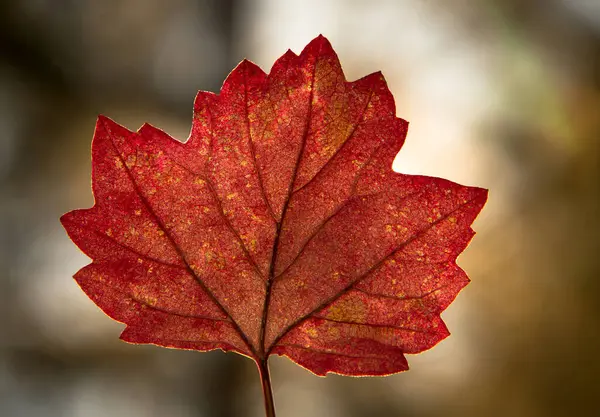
101,394
437,74
64,315
292,393
271,27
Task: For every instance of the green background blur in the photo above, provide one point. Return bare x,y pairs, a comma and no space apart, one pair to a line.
501,94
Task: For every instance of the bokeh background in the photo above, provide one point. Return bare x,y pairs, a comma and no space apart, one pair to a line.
503,94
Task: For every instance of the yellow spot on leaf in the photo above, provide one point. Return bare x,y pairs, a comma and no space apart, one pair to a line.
334,332
130,162
312,332
348,310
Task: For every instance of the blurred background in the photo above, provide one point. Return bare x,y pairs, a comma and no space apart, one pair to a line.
503,94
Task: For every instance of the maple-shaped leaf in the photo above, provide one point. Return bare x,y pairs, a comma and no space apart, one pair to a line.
279,227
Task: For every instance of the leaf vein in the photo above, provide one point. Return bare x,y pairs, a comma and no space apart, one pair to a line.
384,326
138,253
175,246
171,313
327,220
253,151
270,279
360,120
369,271
222,215
397,298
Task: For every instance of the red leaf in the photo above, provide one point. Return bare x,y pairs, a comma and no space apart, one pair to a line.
279,227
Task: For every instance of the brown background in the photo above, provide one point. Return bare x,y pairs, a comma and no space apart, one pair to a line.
502,94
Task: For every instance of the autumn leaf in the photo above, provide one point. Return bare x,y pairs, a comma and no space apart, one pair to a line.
279,227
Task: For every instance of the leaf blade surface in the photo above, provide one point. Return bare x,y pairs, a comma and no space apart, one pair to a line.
279,227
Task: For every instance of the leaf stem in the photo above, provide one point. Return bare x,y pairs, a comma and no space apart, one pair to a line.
263,369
